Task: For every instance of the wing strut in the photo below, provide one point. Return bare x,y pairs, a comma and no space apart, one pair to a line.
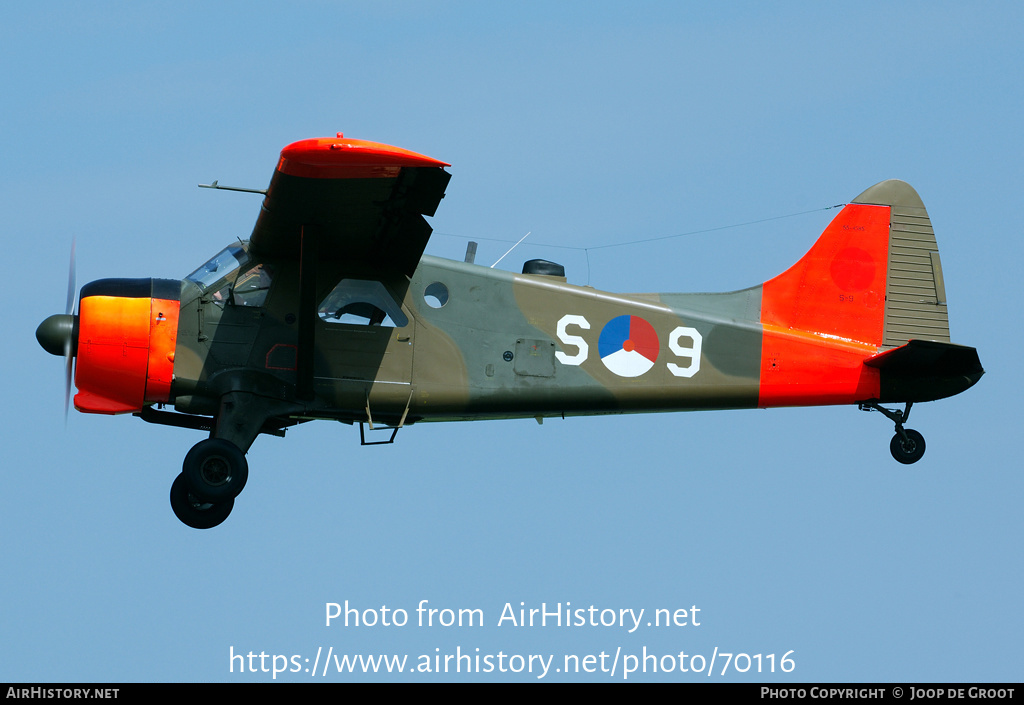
307,314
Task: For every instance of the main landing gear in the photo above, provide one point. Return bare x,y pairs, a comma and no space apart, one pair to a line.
213,474
907,446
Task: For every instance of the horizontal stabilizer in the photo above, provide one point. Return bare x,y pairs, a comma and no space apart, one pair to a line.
924,370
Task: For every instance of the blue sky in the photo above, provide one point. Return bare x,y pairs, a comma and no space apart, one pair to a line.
791,530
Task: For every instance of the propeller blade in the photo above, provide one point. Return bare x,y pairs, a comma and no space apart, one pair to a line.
68,370
69,308
68,352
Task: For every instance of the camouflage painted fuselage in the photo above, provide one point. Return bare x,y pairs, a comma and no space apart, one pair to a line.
496,344
492,350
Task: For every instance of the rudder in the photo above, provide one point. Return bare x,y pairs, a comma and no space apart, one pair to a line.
915,301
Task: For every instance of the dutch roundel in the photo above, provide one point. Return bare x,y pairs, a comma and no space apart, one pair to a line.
628,346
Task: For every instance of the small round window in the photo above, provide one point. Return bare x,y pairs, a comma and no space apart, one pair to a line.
436,295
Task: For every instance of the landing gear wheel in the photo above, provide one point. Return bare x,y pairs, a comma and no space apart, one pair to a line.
908,450
215,470
193,511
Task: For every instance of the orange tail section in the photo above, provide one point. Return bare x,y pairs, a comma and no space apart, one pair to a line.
872,280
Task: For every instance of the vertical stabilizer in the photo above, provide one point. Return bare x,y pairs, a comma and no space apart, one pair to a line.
870,283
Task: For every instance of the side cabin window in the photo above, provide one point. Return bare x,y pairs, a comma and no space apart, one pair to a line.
362,302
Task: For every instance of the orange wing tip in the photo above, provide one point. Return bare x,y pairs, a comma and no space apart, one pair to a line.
344,158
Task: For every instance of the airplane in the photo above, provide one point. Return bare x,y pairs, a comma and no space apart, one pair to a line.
331,310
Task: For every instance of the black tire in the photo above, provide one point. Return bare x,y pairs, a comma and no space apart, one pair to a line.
907,451
215,470
193,511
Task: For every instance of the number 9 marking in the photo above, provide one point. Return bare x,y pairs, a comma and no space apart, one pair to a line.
692,352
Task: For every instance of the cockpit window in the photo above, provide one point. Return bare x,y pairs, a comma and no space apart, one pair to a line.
251,287
223,264
362,302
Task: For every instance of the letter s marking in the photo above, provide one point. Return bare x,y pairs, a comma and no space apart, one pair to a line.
568,320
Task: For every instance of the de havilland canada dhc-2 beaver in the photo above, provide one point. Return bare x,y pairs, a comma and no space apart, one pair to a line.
330,310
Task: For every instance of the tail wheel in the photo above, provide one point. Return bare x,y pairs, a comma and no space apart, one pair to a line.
193,511
907,447
215,470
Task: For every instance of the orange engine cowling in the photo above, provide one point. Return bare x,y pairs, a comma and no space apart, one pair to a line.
127,331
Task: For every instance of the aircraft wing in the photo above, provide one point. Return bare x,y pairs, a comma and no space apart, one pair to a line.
359,201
